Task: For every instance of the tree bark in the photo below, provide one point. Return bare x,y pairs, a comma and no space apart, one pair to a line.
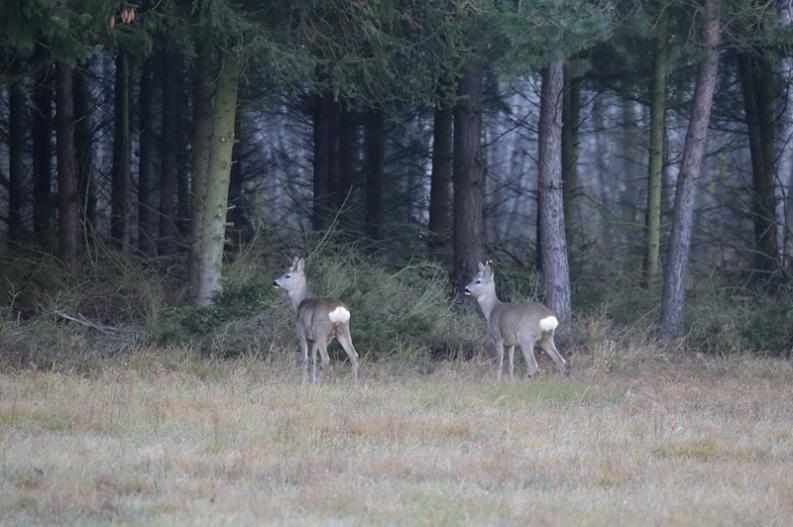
122,157
556,276
757,86
468,178
16,169
169,149
84,149
334,130
347,154
217,184
183,195
688,179
203,90
146,206
68,195
375,163
440,180
42,152
571,110
652,245
321,159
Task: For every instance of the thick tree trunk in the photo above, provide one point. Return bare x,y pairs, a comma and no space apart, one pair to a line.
42,152
757,84
556,276
122,157
375,163
84,148
217,184
203,89
322,120
571,110
688,179
68,194
468,178
146,206
440,181
347,154
170,152
652,243
16,169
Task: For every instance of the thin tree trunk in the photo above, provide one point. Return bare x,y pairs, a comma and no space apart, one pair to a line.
183,196
688,179
42,152
68,195
122,157
16,169
652,245
468,178
347,154
440,180
321,160
217,184
556,276
334,130
757,86
170,152
239,227
375,163
84,148
570,115
203,89
146,206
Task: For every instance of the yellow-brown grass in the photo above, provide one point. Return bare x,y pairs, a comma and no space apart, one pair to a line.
179,441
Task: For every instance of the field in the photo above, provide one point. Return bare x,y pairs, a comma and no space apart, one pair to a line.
169,439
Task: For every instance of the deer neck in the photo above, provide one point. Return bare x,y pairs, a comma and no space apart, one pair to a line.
298,294
488,302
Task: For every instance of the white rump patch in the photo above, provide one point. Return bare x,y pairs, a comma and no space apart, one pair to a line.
341,315
549,323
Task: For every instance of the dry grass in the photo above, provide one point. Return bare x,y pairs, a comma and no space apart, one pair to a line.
164,438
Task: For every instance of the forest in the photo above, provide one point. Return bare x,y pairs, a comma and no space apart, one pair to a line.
626,163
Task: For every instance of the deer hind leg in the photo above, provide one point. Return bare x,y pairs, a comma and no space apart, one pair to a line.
499,345
344,338
548,345
527,348
314,353
512,363
304,348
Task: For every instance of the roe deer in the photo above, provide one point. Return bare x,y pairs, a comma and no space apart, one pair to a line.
319,320
513,325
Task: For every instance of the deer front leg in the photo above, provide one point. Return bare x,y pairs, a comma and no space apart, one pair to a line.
511,363
304,348
499,345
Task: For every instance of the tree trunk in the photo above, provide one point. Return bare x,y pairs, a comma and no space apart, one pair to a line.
440,179
217,184
688,179
183,195
170,152
240,228
347,154
571,110
375,162
122,157
68,195
334,129
16,169
84,149
146,207
321,160
42,153
652,245
203,89
556,276
757,86
468,178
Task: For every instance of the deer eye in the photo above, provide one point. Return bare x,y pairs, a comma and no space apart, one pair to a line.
478,281
287,276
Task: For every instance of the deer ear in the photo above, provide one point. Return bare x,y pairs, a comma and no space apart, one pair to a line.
489,267
481,267
300,264
294,263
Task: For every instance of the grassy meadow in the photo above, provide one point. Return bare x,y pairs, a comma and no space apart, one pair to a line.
163,437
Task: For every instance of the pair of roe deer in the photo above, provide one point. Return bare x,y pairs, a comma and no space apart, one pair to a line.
320,320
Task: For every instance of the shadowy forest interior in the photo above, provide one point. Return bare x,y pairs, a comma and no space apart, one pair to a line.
626,163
